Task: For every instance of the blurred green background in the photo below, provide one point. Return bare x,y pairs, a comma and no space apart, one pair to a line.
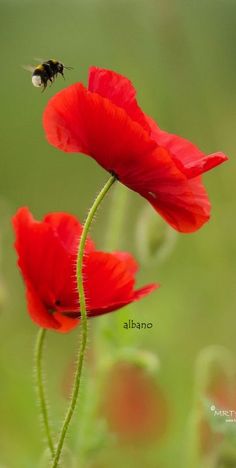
180,55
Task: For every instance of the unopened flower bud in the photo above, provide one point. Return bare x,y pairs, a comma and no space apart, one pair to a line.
155,240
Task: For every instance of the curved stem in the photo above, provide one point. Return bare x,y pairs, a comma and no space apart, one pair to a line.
83,313
40,387
116,219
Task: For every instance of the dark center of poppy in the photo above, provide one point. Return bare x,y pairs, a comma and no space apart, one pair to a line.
72,315
52,309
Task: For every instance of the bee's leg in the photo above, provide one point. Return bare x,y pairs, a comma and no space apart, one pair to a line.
44,87
44,82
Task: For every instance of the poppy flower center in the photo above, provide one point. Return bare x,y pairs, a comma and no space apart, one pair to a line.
52,308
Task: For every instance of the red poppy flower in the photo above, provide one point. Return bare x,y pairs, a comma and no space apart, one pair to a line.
47,253
105,122
221,393
134,404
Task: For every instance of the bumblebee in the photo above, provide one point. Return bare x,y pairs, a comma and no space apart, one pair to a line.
45,72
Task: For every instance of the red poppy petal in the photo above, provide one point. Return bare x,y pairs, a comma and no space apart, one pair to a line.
183,203
185,211
129,260
41,254
119,90
111,284
45,319
76,120
137,295
66,324
68,230
38,311
188,158
144,291
107,280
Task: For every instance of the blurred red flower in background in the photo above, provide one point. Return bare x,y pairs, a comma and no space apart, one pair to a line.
105,122
221,393
134,404
47,254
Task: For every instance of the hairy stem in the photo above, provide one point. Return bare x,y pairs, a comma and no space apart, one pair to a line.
84,326
40,388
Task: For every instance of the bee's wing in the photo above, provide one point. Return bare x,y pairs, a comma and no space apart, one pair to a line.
39,60
28,68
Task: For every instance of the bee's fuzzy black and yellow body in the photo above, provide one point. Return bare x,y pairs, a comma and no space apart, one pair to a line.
45,72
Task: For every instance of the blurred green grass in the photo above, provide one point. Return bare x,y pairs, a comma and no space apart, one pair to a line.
180,55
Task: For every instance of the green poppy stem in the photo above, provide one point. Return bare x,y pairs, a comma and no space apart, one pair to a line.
84,325
40,388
